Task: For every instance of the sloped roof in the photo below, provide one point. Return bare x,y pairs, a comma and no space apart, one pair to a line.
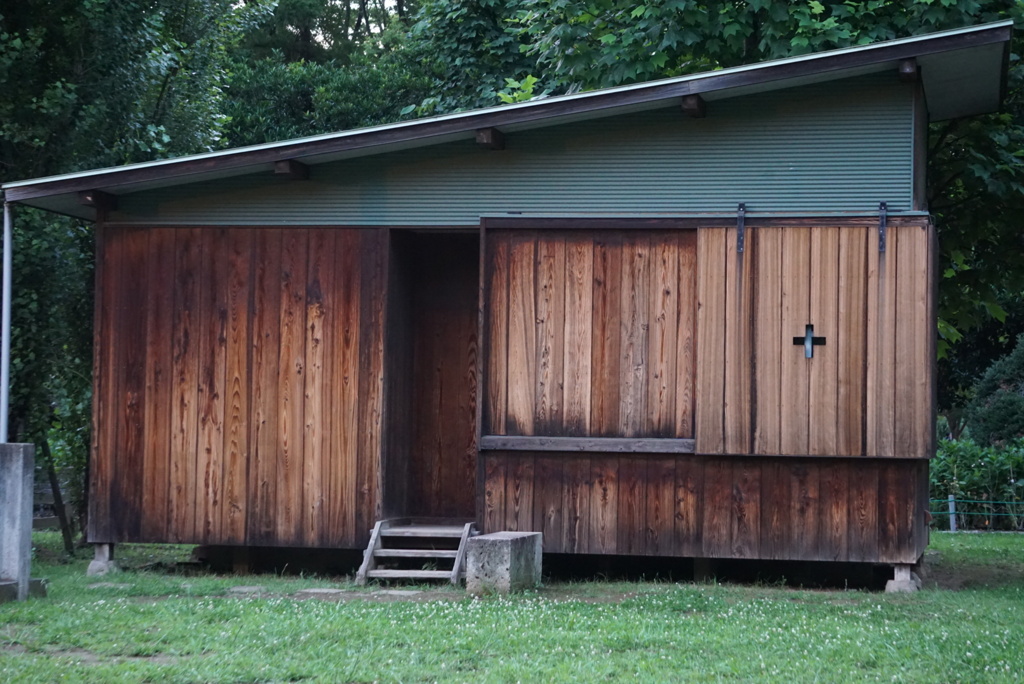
963,72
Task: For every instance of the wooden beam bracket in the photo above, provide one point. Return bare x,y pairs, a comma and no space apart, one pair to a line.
99,200
883,222
694,106
741,226
292,169
490,139
908,70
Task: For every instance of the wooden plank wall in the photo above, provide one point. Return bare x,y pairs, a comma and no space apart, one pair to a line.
796,458
867,392
840,509
590,334
238,385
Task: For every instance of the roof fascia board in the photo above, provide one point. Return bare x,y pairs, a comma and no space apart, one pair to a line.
607,100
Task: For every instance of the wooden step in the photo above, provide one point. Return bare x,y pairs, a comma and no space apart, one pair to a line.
419,535
416,553
449,531
409,574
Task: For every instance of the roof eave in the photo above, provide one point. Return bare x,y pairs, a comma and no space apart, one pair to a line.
427,131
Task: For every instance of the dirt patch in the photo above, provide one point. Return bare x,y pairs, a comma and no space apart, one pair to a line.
89,658
941,574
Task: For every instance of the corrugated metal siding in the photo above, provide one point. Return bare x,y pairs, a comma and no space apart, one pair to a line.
844,146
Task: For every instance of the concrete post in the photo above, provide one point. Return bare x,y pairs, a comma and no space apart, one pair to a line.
17,471
503,562
103,561
904,580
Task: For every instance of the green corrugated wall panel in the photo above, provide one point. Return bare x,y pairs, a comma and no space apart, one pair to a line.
844,146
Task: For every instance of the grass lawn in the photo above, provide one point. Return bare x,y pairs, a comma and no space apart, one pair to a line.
152,623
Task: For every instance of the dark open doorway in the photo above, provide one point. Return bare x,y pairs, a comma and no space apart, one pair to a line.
433,350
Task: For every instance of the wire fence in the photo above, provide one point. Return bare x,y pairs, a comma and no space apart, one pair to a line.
977,514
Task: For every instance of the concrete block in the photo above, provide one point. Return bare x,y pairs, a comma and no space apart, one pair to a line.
904,581
103,561
901,587
9,589
503,562
17,471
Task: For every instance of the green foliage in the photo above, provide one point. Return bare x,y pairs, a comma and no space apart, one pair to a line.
470,48
972,355
321,30
344,77
996,413
51,346
974,473
520,91
271,100
91,83
609,42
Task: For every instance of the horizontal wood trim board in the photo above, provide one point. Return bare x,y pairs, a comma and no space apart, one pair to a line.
418,228
620,445
693,222
584,223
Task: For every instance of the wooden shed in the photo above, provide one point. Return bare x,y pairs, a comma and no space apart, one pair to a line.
692,317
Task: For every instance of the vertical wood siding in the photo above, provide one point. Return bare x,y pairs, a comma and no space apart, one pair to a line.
590,334
866,392
238,385
840,509
796,458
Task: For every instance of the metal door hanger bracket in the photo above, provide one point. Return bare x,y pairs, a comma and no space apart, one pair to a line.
882,227
741,220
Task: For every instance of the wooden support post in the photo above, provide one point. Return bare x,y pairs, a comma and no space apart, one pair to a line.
241,560
703,569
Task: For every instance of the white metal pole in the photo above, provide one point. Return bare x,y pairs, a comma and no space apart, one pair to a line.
5,327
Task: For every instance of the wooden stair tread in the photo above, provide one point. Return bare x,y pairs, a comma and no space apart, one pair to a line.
423,531
409,574
415,553
420,535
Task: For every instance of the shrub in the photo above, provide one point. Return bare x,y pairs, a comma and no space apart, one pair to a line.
996,414
985,482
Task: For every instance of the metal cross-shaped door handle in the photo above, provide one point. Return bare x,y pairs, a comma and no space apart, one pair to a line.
809,342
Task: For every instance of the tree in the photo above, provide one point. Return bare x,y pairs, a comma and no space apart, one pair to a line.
270,98
996,412
472,47
321,30
92,83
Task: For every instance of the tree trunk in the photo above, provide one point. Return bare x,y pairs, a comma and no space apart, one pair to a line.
58,499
